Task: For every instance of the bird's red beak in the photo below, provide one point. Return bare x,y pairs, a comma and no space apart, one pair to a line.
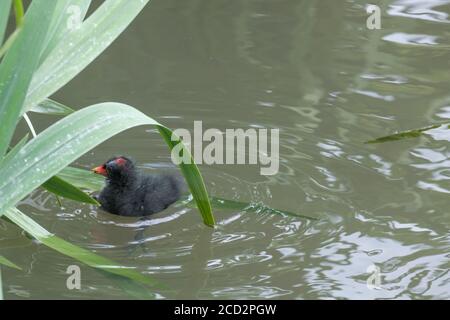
100,170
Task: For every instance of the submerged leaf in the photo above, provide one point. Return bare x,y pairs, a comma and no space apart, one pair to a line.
226,204
219,203
404,134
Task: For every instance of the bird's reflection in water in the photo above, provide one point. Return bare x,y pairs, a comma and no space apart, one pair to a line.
140,239
143,224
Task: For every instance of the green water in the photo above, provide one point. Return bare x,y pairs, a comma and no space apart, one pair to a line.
311,69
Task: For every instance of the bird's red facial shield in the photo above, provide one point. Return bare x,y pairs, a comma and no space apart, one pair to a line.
102,169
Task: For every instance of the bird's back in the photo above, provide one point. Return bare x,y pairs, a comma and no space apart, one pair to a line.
158,191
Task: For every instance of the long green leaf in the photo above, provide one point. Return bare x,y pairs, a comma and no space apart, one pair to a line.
9,42
69,11
12,153
5,6
8,263
82,178
56,185
18,66
404,135
19,12
68,249
65,141
192,176
52,107
65,189
80,47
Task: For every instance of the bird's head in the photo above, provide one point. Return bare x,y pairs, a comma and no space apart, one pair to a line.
117,168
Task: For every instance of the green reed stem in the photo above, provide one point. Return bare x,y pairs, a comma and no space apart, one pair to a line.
18,9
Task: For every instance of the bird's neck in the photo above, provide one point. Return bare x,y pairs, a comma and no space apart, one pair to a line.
128,181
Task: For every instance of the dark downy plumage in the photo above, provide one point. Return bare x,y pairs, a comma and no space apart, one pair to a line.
129,192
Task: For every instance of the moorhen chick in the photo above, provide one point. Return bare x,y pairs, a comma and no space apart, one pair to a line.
129,192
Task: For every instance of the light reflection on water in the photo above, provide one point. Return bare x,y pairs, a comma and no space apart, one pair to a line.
314,71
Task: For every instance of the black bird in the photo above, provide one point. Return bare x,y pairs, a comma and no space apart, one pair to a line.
129,192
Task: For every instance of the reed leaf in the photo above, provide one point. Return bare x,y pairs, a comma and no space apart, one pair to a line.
82,178
52,107
80,47
60,187
8,263
85,256
5,6
69,11
18,67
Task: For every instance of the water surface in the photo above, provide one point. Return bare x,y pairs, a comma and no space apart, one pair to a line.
311,69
